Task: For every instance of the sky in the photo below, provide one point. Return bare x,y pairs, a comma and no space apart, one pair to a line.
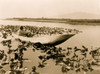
46,8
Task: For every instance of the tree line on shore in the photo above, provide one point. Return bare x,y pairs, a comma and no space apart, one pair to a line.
60,20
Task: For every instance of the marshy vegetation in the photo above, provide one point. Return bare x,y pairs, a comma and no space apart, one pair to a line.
30,31
69,59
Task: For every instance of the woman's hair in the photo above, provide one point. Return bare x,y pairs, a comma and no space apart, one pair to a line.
21,28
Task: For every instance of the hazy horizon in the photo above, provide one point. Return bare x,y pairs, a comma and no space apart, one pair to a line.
47,8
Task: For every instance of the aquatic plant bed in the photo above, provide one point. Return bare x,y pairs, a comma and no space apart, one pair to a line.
69,59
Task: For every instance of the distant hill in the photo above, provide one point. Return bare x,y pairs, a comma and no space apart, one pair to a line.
80,15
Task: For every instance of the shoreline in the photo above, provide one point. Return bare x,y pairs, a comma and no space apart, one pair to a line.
60,20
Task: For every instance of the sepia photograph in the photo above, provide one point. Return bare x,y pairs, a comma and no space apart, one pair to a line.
49,36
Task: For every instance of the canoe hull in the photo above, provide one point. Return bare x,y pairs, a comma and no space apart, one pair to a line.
59,39
45,39
48,39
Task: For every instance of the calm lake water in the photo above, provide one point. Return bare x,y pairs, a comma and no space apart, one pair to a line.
90,37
